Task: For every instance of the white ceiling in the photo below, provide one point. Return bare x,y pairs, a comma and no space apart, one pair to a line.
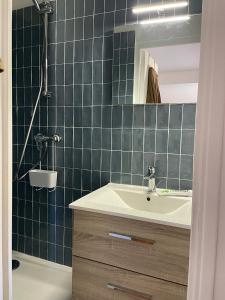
177,57
16,4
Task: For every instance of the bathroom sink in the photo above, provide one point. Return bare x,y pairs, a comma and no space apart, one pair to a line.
134,202
151,203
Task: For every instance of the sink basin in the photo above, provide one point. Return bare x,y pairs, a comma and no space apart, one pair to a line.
133,202
156,204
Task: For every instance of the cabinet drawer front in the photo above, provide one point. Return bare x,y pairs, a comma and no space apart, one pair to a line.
94,281
151,249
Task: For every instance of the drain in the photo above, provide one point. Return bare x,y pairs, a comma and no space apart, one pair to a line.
15,264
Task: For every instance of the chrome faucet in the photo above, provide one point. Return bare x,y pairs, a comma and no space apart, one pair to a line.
150,176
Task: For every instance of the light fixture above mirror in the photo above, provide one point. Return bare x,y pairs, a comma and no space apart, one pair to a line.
159,7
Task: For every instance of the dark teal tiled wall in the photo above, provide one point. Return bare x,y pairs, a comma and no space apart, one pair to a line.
101,142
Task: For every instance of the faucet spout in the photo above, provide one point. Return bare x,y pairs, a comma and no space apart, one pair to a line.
151,179
151,186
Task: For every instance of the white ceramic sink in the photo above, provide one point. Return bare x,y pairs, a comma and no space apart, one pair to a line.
151,203
133,202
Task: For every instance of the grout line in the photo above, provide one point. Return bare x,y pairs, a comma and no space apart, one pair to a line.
181,140
167,158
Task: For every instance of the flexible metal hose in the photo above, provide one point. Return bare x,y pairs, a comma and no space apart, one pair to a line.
43,154
17,178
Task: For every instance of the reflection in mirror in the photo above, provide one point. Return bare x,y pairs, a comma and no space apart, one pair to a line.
156,63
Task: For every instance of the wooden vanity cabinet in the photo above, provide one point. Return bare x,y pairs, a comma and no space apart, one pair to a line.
95,281
118,258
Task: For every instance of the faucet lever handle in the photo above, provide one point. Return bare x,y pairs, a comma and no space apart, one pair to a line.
151,170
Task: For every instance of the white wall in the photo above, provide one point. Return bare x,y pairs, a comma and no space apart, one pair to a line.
179,87
179,93
178,72
21,3
179,77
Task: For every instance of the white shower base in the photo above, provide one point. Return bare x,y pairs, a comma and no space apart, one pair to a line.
38,279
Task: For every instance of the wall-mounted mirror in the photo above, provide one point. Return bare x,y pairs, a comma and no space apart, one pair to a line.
157,63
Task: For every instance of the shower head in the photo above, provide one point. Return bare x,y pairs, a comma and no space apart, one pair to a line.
36,4
44,8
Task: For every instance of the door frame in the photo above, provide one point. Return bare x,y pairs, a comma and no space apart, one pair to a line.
207,253
207,261
6,151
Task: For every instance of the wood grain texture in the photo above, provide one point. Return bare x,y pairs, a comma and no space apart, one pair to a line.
166,259
90,280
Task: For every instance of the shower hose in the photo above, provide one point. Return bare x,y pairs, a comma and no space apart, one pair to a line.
43,153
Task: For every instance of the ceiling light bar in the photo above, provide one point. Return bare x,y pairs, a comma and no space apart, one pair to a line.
156,7
166,20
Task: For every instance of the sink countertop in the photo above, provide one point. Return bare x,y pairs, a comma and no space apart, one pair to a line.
130,201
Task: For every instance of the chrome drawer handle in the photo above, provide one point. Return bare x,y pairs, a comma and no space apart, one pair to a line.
120,236
129,291
131,238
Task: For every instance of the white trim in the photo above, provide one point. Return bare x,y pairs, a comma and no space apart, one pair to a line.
207,259
5,150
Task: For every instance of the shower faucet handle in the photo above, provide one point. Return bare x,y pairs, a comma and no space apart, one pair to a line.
40,138
151,172
56,138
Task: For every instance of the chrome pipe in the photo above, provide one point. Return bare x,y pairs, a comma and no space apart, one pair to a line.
45,78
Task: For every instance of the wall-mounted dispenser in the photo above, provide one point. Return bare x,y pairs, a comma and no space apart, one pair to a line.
43,178
40,178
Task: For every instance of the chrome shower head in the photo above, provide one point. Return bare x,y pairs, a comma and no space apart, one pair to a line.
44,8
36,4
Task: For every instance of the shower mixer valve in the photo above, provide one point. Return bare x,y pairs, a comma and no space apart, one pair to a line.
41,139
